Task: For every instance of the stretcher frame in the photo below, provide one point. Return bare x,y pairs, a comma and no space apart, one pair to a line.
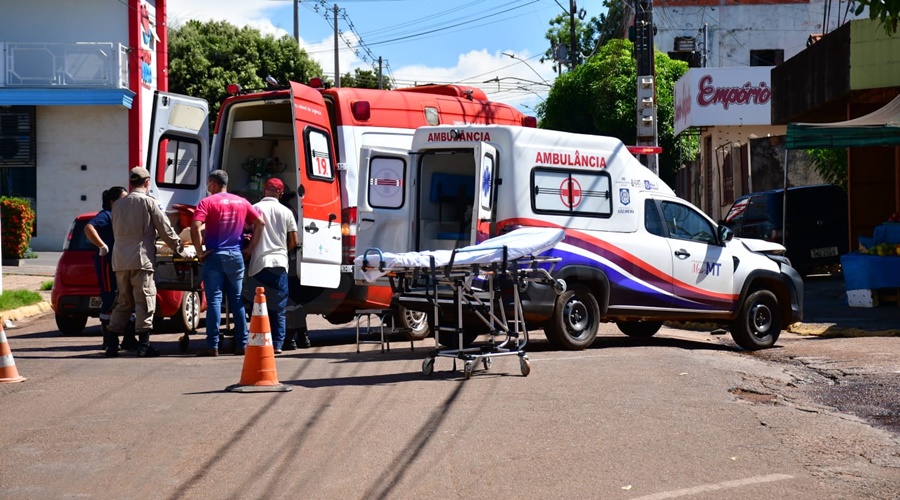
477,290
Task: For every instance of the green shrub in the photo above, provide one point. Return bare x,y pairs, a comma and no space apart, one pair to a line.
12,299
17,221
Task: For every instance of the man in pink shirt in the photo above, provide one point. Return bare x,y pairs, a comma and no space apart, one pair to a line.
223,263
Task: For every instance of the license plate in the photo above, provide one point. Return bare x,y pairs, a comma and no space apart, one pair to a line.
817,253
95,302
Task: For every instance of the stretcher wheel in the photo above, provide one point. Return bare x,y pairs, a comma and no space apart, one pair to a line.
184,342
428,366
525,365
468,369
487,363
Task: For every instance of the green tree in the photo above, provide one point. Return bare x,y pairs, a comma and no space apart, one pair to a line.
611,24
364,79
205,57
831,164
885,11
600,97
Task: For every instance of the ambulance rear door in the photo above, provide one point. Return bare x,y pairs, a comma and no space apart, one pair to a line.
385,208
318,217
483,215
178,151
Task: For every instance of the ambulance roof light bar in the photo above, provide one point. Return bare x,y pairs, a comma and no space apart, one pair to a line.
644,150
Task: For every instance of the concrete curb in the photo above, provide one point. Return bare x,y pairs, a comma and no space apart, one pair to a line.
25,311
825,330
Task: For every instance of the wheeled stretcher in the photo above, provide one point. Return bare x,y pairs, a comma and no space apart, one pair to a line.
469,291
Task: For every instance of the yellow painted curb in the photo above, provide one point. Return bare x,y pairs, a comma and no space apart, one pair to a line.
26,311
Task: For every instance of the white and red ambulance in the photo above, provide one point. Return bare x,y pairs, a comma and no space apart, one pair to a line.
309,137
634,253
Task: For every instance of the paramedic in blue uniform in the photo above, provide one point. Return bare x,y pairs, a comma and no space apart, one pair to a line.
99,232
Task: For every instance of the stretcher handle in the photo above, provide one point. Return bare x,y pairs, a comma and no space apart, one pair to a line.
365,261
478,248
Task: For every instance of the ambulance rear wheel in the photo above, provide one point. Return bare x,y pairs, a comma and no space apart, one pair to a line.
576,319
416,322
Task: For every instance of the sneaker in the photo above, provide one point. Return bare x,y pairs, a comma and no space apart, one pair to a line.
238,351
277,351
147,351
207,352
303,342
289,346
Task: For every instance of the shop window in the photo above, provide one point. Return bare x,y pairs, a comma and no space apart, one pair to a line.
17,144
769,57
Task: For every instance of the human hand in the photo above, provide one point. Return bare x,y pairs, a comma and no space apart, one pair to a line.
104,250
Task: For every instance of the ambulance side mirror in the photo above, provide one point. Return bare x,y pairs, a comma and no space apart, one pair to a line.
725,234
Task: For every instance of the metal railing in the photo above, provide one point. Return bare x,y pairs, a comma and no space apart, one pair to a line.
82,64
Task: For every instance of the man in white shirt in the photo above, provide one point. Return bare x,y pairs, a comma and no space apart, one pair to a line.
269,255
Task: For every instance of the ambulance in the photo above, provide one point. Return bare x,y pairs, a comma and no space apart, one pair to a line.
634,253
310,137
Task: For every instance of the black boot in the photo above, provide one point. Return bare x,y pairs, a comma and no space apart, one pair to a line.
145,350
110,343
129,342
303,339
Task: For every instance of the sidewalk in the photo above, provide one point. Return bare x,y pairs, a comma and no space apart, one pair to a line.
29,275
826,312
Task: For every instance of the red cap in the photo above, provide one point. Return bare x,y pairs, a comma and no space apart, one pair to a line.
275,184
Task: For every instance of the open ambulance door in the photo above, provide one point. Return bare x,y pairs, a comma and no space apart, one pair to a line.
384,208
484,223
178,151
318,191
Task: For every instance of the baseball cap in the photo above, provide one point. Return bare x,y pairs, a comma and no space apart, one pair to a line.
139,174
275,184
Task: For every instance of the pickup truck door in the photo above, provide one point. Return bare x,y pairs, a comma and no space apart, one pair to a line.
385,204
702,270
318,220
483,220
178,151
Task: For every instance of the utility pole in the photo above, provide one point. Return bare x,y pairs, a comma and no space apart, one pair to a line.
297,21
380,86
337,69
573,53
646,81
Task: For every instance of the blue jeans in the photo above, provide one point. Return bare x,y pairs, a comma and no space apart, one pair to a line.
223,270
276,282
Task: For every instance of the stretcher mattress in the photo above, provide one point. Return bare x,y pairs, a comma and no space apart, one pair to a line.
530,241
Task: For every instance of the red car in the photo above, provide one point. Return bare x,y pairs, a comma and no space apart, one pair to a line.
76,294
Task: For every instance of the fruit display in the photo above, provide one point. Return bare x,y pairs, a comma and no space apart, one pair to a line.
884,250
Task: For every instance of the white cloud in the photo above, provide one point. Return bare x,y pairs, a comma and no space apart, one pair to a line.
520,80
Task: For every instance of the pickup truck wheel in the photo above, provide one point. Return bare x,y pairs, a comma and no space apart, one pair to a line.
639,329
415,321
576,319
759,323
188,316
70,324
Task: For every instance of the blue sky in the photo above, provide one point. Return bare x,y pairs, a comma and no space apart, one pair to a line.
420,41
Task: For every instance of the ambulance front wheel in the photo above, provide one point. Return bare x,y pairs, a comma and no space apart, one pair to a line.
576,319
759,323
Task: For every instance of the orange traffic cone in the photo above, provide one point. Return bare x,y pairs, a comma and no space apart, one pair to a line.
259,374
8,371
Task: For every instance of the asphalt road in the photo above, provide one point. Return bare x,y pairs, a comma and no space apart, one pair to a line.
682,415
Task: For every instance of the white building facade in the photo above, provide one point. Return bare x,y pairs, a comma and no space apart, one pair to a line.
726,101
76,86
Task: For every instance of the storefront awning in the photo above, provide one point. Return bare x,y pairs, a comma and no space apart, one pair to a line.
66,97
879,128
